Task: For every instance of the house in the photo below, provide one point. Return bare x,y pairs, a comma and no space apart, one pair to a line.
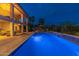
13,19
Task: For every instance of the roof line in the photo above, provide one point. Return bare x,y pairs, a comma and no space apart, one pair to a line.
25,14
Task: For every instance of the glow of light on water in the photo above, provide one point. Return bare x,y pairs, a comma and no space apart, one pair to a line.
37,38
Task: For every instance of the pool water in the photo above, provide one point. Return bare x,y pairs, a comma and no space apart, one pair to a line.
46,44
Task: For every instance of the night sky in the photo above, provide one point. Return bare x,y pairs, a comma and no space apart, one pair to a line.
53,13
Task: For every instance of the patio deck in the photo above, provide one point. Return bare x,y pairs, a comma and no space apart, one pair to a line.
10,44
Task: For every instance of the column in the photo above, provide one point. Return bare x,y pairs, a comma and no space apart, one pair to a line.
26,25
22,22
12,19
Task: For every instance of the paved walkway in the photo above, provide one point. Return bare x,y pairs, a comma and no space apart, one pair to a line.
9,45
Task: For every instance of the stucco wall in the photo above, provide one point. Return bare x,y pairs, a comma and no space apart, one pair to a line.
5,25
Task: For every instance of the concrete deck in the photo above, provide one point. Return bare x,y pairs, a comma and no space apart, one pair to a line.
9,45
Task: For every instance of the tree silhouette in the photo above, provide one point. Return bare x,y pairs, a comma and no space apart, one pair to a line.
67,27
41,24
41,21
31,23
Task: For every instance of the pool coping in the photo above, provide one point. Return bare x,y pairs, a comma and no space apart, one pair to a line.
64,36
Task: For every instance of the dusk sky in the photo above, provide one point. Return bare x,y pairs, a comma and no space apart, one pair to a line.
53,13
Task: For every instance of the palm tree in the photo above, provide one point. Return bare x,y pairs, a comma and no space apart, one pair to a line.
41,24
31,23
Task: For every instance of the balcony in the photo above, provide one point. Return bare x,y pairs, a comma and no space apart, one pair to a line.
7,18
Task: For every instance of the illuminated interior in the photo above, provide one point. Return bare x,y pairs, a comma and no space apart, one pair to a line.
17,14
6,26
5,11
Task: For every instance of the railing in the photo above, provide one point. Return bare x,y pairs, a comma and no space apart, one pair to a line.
5,17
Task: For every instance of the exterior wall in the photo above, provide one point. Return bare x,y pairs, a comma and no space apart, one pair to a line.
5,9
5,26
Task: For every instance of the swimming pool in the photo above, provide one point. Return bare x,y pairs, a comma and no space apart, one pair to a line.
46,44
